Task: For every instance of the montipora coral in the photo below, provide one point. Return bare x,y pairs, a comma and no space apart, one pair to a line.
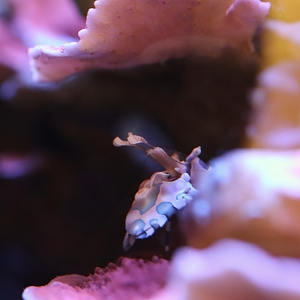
133,32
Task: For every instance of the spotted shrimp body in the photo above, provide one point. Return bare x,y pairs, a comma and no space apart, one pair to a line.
166,192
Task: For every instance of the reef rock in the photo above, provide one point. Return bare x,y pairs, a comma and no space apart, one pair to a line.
231,269
252,195
133,279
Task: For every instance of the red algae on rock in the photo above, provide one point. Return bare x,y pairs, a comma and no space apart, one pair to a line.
133,279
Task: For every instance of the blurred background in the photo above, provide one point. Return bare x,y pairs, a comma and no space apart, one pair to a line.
65,190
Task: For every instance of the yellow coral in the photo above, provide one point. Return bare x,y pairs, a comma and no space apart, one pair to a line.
276,118
278,46
280,42
285,10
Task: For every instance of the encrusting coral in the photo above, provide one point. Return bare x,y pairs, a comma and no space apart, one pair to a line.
231,269
132,32
252,195
133,279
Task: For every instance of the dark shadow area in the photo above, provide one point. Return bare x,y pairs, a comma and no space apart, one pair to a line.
65,214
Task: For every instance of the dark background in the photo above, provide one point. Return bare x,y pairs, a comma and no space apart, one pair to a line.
66,214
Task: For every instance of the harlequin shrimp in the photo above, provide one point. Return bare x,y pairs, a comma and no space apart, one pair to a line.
166,192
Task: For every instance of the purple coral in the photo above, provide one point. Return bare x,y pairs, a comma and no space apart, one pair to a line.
133,279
